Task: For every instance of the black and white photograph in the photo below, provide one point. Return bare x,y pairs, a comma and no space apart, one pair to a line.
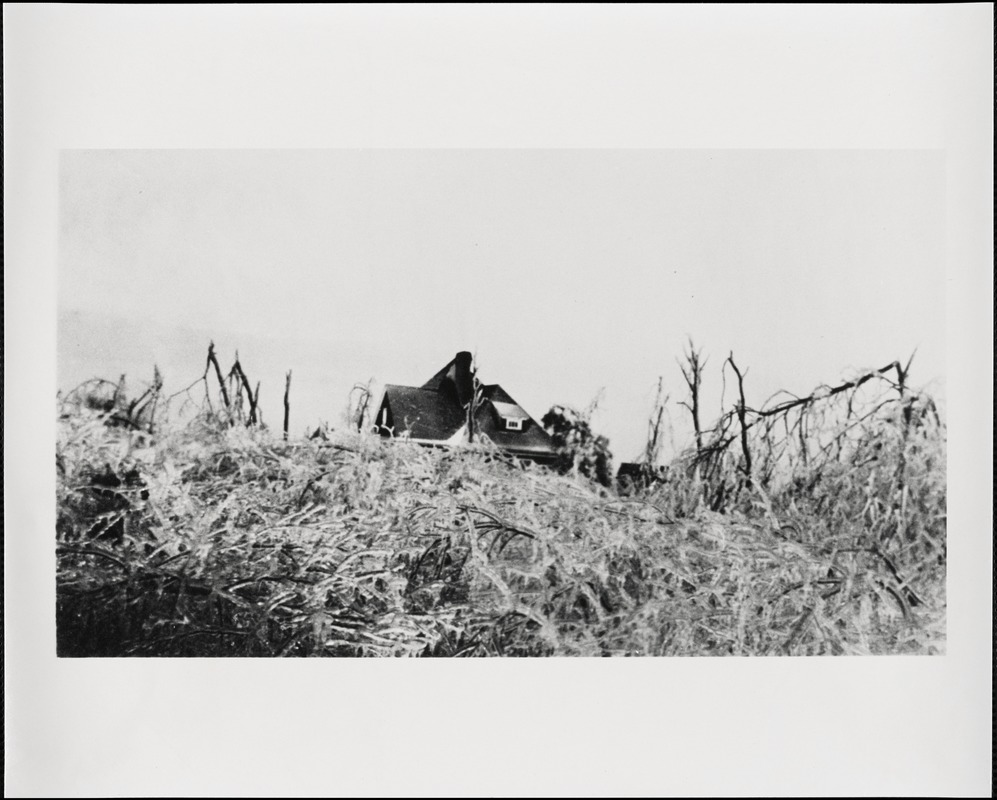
501,403
403,369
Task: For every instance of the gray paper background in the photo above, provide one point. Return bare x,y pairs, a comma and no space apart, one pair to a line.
676,79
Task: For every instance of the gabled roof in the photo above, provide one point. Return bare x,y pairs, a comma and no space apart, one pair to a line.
435,413
455,377
438,379
492,391
423,413
531,440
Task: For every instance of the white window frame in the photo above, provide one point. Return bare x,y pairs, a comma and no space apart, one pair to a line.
513,424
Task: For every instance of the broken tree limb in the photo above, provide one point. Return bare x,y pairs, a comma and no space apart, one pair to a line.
212,360
287,403
240,377
818,395
359,409
741,415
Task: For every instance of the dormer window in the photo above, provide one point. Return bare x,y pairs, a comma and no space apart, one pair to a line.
510,416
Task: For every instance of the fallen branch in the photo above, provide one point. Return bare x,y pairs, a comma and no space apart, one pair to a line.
822,395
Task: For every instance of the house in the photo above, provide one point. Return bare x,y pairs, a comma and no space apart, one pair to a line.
454,408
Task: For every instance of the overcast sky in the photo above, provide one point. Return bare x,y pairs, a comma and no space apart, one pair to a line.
568,272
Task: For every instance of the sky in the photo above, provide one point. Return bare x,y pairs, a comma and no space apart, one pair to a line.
575,276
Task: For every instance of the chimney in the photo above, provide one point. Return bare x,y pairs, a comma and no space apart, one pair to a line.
462,377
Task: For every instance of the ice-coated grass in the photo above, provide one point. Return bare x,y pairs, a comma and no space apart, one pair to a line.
249,545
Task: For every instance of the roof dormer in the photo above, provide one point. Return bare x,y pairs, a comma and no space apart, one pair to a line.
511,416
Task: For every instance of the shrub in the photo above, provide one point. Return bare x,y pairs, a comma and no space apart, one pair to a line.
579,448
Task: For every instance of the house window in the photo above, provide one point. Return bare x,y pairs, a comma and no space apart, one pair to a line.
513,424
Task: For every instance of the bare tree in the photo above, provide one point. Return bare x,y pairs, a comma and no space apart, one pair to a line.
692,371
359,404
742,413
653,449
474,402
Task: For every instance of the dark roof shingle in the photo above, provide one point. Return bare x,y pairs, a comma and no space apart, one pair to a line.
433,412
422,413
